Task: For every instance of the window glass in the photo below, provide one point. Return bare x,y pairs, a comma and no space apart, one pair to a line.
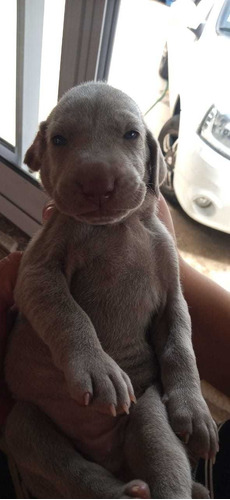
8,34
139,35
51,55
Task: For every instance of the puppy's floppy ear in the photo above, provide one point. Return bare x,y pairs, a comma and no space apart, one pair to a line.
156,167
33,156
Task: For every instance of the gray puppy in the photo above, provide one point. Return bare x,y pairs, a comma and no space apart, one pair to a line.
102,318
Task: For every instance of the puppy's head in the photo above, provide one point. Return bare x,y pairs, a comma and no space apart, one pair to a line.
97,158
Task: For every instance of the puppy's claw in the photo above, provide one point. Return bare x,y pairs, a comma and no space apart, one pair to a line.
184,437
87,397
133,398
113,410
125,407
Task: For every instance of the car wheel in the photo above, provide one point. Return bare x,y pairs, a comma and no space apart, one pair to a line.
163,68
168,139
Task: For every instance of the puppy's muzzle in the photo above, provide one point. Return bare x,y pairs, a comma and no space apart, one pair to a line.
98,189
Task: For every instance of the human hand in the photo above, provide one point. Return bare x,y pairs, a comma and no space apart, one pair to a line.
48,210
8,276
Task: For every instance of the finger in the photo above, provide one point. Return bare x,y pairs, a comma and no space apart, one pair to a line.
48,210
6,403
8,275
137,489
3,332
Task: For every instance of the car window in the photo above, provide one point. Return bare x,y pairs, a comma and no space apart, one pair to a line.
223,23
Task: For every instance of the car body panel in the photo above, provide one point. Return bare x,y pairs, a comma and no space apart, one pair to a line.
199,76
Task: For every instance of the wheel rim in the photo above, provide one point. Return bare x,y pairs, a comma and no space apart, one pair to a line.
170,144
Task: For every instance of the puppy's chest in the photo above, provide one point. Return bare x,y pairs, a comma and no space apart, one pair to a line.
115,279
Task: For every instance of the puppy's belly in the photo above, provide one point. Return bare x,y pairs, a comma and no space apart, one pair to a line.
98,437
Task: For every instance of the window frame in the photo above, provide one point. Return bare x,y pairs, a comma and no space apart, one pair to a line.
88,35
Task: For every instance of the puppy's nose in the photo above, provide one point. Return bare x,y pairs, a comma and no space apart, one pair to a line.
98,191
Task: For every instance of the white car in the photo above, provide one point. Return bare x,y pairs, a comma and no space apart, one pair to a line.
196,139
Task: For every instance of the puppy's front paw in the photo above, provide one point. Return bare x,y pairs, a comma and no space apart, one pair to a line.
190,418
97,379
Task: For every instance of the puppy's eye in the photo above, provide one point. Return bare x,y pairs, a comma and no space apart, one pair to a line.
59,140
131,134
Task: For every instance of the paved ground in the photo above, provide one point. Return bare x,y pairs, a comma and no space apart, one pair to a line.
203,248
139,43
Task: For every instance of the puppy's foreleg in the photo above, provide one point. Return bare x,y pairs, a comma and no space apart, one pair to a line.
188,412
42,295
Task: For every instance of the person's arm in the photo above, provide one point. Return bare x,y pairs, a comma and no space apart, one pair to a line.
209,307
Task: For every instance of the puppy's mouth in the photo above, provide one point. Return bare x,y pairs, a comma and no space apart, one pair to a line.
109,211
101,216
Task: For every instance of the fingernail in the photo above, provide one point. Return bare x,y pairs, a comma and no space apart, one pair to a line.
135,489
113,410
47,212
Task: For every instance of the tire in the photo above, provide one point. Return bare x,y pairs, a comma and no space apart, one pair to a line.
168,140
163,68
